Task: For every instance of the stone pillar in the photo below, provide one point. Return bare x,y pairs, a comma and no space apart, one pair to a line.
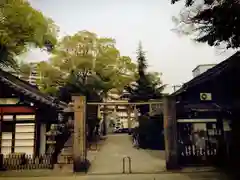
79,141
170,132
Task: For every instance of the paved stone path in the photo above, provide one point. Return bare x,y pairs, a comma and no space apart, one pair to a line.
109,161
167,176
110,158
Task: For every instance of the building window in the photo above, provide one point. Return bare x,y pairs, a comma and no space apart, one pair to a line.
7,137
18,134
24,138
8,118
25,117
7,127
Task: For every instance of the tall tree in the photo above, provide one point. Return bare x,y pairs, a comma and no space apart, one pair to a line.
51,78
92,66
216,22
92,61
22,27
148,85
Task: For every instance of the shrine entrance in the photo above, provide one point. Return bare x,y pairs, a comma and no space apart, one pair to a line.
122,151
80,158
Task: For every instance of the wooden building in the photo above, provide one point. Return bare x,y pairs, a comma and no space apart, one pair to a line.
210,102
25,116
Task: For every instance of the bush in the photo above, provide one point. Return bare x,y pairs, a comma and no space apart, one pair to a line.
150,132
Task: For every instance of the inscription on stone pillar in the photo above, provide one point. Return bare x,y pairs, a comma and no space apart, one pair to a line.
79,141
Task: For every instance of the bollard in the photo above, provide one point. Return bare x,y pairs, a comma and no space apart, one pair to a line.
129,165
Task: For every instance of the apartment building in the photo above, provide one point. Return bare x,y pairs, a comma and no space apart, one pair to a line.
31,77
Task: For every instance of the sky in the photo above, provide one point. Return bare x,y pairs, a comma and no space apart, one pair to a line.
131,21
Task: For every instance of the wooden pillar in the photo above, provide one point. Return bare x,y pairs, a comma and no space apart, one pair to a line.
1,119
170,132
135,114
37,135
104,123
129,119
150,109
99,112
79,141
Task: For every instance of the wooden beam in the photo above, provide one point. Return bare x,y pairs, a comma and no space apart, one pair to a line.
115,103
17,109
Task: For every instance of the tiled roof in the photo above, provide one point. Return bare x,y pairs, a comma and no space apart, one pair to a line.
29,90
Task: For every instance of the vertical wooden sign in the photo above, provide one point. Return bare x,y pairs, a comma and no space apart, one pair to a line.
170,132
79,141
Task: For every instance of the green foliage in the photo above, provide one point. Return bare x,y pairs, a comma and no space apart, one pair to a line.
156,82
88,64
148,85
150,131
51,77
24,68
215,22
142,62
21,27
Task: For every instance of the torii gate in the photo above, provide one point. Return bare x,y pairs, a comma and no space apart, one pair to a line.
79,143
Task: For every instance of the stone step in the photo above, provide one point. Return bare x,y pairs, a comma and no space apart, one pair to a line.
69,142
63,167
65,159
65,156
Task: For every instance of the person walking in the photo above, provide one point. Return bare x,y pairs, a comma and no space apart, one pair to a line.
135,139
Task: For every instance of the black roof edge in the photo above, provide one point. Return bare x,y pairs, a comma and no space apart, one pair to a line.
210,73
31,91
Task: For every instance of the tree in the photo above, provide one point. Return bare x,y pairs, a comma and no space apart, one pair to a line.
216,22
51,78
24,68
148,85
22,27
92,66
85,64
156,82
90,62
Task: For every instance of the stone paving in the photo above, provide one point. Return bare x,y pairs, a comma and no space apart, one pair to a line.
107,165
163,176
110,159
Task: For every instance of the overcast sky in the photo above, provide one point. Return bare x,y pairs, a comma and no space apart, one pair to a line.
131,21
